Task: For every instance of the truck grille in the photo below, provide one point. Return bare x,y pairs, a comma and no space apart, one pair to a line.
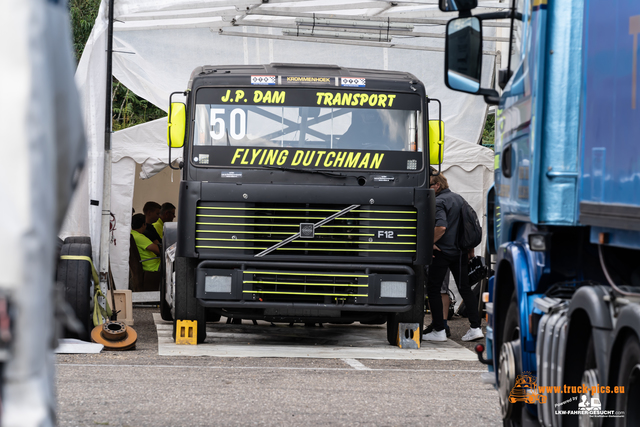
248,229
291,286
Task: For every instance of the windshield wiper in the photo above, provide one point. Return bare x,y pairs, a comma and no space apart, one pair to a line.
321,172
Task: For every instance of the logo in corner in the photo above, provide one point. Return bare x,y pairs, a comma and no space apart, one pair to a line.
526,390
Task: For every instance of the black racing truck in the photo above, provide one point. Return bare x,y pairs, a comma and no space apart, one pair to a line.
304,196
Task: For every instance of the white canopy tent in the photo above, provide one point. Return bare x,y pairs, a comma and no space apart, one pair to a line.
157,43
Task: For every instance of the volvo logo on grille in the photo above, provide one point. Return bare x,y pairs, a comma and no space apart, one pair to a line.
306,230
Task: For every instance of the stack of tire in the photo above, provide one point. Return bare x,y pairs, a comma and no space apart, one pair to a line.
75,278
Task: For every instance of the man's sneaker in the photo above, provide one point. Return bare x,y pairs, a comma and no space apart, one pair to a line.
430,328
473,334
435,336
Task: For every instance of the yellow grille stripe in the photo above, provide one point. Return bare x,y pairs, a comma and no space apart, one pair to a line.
305,218
301,210
305,293
305,284
235,224
289,233
305,274
355,242
307,249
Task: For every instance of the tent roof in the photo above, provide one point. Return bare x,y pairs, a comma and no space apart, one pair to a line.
158,43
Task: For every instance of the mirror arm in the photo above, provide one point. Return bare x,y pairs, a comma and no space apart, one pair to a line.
491,96
493,15
499,15
492,99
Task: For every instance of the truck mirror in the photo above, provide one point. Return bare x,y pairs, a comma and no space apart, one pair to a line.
176,125
463,54
436,142
457,5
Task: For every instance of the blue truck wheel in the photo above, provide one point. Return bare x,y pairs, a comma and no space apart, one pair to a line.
629,376
510,366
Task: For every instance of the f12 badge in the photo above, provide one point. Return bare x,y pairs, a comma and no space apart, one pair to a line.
387,235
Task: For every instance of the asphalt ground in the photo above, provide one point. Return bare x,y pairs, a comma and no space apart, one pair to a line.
141,388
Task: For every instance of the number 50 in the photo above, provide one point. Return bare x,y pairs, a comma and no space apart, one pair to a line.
237,122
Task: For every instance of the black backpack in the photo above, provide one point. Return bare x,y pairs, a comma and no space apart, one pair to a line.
469,229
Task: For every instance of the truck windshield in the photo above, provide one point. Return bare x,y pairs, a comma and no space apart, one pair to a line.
369,121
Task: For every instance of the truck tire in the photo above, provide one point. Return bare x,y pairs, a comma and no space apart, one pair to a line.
75,277
511,412
629,377
415,315
392,329
169,237
78,239
186,305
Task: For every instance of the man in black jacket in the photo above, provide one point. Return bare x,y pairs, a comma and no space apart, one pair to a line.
446,255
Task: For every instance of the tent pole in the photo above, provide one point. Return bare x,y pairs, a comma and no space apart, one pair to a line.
106,186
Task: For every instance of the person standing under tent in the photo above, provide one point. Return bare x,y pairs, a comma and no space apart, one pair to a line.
446,255
151,211
167,214
149,251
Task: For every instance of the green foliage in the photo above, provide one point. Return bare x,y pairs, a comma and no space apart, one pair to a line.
488,134
128,109
83,15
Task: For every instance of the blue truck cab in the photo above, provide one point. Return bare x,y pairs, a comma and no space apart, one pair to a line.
564,213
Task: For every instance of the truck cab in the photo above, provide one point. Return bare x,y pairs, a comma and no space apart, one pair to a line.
304,195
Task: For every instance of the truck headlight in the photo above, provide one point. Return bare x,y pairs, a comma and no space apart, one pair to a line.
218,284
393,289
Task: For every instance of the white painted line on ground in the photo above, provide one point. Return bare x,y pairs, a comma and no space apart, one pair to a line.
262,368
355,364
332,342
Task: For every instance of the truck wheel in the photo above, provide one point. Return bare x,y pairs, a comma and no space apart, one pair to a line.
509,366
186,305
169,237
415,315
392,329
78,239
75,276
629,377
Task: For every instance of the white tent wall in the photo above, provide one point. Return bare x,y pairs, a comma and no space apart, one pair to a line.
121,200
85,212
469,171
144,145
158,43
128,190
162,187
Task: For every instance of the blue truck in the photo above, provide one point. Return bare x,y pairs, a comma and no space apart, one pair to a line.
564,214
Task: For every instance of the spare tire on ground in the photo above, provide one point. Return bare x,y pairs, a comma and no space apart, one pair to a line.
75,277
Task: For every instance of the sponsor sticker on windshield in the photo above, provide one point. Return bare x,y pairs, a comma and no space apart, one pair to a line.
307,80
263,80
353,81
